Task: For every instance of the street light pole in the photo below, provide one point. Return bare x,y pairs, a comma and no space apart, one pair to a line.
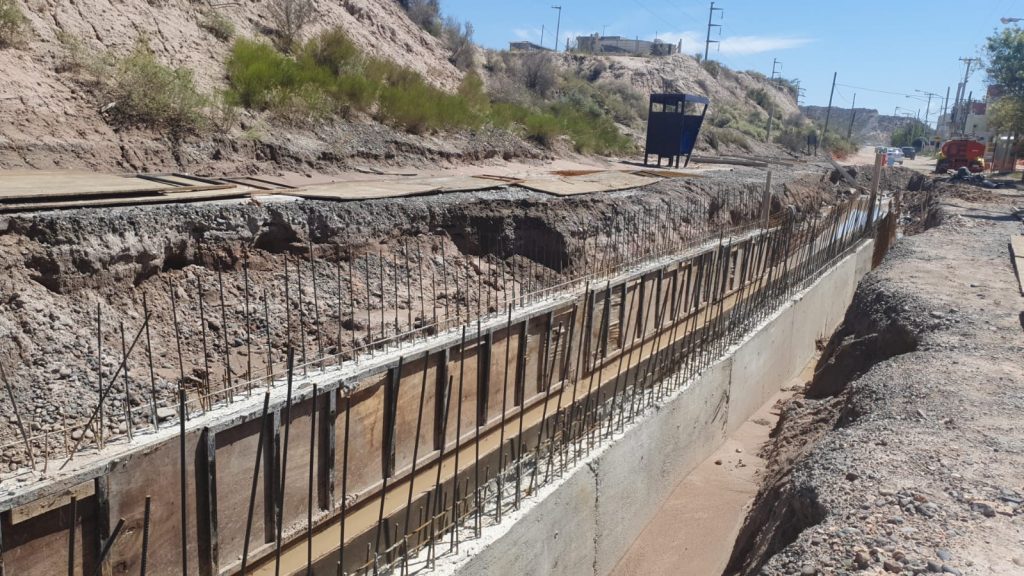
558,26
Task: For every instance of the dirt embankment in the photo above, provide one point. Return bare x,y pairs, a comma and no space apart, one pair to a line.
903,455
453,254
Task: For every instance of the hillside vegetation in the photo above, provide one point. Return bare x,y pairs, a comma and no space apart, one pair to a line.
307,85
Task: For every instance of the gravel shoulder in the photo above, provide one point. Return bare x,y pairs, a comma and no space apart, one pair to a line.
905,453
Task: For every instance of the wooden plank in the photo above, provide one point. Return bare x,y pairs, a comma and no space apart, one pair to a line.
172,196
28,184
51,502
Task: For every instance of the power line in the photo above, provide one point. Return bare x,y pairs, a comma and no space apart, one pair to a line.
876,90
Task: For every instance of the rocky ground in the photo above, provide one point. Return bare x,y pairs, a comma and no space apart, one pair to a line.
905,453
58,269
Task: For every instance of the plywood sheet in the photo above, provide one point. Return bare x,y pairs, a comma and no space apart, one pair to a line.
27,184
167,196
608,181
372,189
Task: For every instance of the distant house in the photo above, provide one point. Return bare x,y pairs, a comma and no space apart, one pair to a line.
525,46
596,43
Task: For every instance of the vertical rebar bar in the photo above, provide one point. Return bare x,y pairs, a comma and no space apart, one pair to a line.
284,462
255,481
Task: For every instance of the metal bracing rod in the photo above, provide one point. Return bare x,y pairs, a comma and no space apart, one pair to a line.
394,267
416,444
183,481
152,373
284,461
17,416
444,283
71,535
206,355
177,334
622,357
458,434
248,324
478,424
312,478
366,284
302,315
438,504
105,549
270,350
344,485
316,303
383,293
504,411
224,333
255,481
99,375
127,385
390,424
144,557
104,393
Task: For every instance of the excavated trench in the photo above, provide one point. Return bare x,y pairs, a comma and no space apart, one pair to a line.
874,330
230,285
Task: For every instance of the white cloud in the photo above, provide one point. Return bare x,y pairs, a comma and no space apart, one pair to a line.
735,45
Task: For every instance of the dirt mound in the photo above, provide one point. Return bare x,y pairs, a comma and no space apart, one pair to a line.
904,456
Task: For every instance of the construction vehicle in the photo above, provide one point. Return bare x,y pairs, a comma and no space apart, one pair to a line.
961,153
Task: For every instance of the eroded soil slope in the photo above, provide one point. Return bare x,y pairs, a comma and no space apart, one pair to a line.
905,454
408,261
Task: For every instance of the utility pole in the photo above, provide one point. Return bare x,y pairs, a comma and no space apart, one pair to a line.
961,90
771,112
775,61
542,36
709,41
928,107
558,26
828,113
945,103
853,115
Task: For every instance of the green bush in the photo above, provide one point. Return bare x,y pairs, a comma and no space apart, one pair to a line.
761,97
328,74
218,25
838,145
711,67
145,92
12,24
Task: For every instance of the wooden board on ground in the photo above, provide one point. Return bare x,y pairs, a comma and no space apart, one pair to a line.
170,197
371,189
1017,254
29,184
608,181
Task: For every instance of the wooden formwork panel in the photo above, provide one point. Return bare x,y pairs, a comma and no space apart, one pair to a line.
30,545
502,366
300,452
236,455
156,473
418,375
366,428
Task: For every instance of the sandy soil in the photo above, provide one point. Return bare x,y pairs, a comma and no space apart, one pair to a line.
905,453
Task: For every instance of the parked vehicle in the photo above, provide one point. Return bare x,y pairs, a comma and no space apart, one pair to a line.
961,153
897,155
909,152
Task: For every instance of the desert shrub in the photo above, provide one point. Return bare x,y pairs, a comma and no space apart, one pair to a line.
711,67
728,137
217,24
538,73
838,145
792,138
424,13
761,97
147,93
289,17
13,24
458,38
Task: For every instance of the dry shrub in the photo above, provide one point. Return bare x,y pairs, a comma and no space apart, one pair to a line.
13,25
289,17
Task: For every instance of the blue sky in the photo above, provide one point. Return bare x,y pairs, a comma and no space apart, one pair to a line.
899,46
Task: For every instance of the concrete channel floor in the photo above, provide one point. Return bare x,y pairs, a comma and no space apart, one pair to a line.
694,531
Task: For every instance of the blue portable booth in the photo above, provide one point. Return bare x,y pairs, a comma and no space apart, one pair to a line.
673,123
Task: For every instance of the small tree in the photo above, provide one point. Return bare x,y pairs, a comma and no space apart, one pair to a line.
289,17
1006,69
